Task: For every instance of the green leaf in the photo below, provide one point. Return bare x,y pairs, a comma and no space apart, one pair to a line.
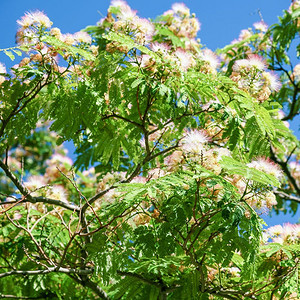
9,54
53,41
18,52
264,120
273,248
235,167
125,40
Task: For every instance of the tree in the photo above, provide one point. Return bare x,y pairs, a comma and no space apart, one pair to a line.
178,154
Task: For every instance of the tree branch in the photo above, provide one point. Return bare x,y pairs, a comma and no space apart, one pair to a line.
287,196
47,271
140,278
17,109
2,296
63,204
113,115
26,193
90,284
286,171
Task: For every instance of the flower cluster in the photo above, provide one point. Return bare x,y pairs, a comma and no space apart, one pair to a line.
210,61
181,22
36,34
174,59
286,234
194,148
2,71
295,170
267,166
259,28
294,6
126,21
296,73
108,180
251,76
42,185
32,25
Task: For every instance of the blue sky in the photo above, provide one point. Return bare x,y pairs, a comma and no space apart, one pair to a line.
221,23
221,20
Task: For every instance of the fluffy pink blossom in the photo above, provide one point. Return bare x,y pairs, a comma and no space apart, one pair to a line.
267,166
254,61
127,14
244,34
68,38
174,161
296,73
240,64
145,26
35,183
295,166
160,47
60,159
168,12
180,8
146,61
272,81
145,29
295,5
194,141
82,37
118,3
257,62
37,18
286,234
57,192
210,57
261,26
2,68
185,59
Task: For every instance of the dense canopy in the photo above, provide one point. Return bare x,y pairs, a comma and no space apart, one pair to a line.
179,150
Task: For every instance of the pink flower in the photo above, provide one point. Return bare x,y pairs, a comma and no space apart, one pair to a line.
68,38
185,59
244,34
82,37
146,61
194,141
210,57
118,3
240,64
257,62
160,47
254,61
296,73
272,81
267,166
145,27
180,8
35,184
60,159
37,18
261,26
127,14
58,192
2,68
290,232
168,12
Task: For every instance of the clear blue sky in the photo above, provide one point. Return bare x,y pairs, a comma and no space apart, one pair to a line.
221,23
221,20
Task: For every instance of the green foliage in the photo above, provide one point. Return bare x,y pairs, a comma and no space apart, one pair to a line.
176,158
